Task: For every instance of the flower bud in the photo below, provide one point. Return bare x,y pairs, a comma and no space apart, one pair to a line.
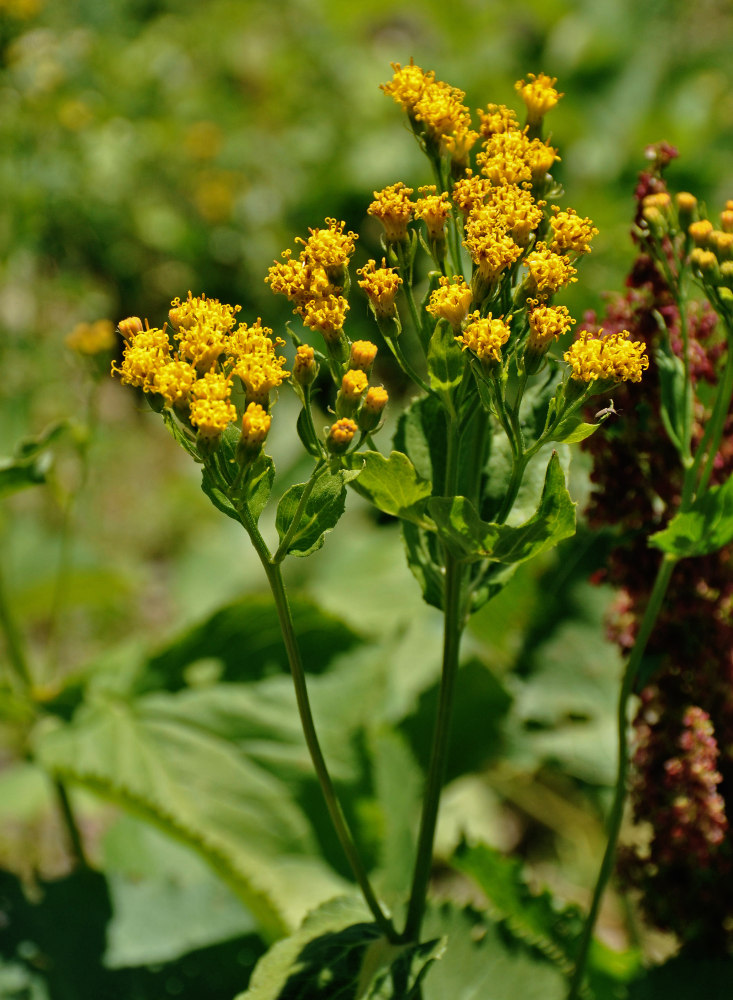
726,220
255,426
686,209
721,244
726,274
341,435
130,326
704,263
305,367
353,386
700,232
363,353
372,408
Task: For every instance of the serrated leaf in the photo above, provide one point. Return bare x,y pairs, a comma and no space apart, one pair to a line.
340,954
323,508
177,763
446,360
393,485
706,527
533,917
471,538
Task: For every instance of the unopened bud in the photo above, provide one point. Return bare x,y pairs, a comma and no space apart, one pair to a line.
726,274
705,264
686,209
726,220
353,386
341,435
305,367
130,326
700,232
372,408
722,244
363,353
655,219
255,426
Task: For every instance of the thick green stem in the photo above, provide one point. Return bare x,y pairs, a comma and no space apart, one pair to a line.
297,671
648,622
436,772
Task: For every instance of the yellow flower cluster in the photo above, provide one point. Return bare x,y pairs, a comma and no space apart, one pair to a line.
381,285
194,370
492,249
548,271
314,282
484,337
571,234
612,358
451,300
539,96
434,210
547,323
393,208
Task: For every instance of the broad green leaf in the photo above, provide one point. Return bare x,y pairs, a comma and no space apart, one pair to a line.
446,360
245,640
341,954
259,484
323,508
706,527
425,561
393,485
173,761
303,428
471,538
482,961
499,470
675,410
398,785
535,918
421,435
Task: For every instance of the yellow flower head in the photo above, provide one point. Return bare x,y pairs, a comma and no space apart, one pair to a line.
548,271
539,96
376,399
540,158
442,111
341,435
92,338
211,408
514,209
450,301
700,232
354,384
174,382
612,358
491,249
363,353
252,353
381,284
434,210
407,85
329,248
498,118
327,316
459,144
255,427
200,311
144,355
484,337
470,192
570,232
547,323
505,158
393,208
130,326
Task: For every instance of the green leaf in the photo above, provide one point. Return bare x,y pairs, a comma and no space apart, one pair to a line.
675,409
339,954
393,485
483,962
472,539
219,499
259,484
425,561
421,435
398,785
323,508
573,429
534,918
706,527
446,360
184,762
32,460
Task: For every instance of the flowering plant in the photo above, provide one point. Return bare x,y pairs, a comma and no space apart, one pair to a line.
477,473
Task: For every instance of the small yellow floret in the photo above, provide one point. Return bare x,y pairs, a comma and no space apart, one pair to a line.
612,358
252,351
327,316
305,368
363,353
341,435
539,95
570,232
498,118
144,355
329,248
381,284
393,208
353,385
450,301
547,323
491,249
484,337
407,85
434,210
549,271
376,399
255,426
174,382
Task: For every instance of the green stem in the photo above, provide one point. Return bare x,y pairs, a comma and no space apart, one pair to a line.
76,844
295,524
439,756
17,660
648,622
394,346
519,464
714,429
274,577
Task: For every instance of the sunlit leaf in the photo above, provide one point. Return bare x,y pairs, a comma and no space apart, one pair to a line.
705,527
